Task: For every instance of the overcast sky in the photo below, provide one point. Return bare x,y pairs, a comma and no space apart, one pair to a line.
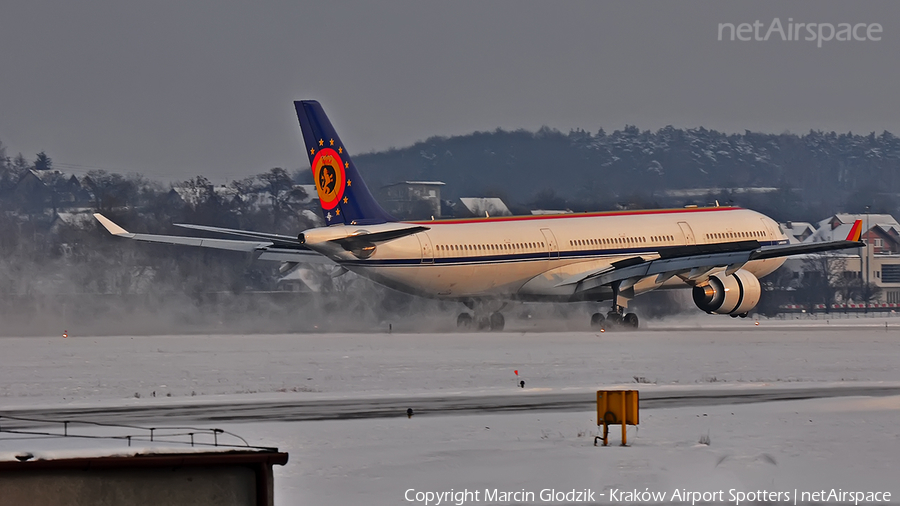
173,89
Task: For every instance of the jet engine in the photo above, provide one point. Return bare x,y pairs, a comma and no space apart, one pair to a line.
733,294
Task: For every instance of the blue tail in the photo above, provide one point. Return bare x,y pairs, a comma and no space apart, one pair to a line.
342,192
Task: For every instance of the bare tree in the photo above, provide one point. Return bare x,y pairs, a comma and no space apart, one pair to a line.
823,279
284,194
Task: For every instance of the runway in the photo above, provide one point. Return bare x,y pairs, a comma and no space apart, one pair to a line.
396,406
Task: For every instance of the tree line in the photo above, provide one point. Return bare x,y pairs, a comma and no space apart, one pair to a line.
813,175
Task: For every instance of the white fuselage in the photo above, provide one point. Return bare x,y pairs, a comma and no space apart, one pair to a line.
530,257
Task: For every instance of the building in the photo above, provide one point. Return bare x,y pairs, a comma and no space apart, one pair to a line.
882,231
877,264
413,199
797,231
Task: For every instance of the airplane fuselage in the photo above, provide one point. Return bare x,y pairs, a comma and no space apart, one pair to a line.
532,257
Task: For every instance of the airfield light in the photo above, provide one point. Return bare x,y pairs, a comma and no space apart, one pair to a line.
65,334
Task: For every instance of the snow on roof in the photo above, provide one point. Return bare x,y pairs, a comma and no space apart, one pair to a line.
93,453
305,276
701,192
314,217
425,183
868,219
545,212
796,225
826,233
838,226
481,205
797,231
75,218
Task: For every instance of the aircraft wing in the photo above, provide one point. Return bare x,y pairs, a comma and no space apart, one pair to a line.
263,249
695,262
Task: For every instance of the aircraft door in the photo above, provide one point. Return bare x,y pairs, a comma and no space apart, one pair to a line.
687,232
550,241
426,248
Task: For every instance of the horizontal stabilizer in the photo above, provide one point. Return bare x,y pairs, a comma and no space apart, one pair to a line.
353,242
277,238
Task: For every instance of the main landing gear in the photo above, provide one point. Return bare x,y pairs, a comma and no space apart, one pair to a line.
616,319
487,316
493,322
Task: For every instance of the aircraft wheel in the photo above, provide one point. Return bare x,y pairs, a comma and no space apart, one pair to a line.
464,321
743,315
497,321
630,321
596,321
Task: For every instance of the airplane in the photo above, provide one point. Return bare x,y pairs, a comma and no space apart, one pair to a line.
720,253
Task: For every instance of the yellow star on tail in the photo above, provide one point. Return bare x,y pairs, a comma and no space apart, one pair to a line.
331,142
312,151
321,142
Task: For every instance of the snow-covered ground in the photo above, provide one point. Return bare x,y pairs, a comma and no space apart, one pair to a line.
81,368
848,443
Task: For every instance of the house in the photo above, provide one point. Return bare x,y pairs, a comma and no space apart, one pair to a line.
882,231
797,231
879,264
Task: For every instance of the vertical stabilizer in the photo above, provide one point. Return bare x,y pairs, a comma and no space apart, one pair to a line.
343,194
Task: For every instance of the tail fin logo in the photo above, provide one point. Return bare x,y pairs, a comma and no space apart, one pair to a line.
855,231
330,178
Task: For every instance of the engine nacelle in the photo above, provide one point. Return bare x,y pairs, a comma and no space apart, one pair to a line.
732,294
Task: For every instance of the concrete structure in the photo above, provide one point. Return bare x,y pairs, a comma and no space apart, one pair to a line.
232,478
